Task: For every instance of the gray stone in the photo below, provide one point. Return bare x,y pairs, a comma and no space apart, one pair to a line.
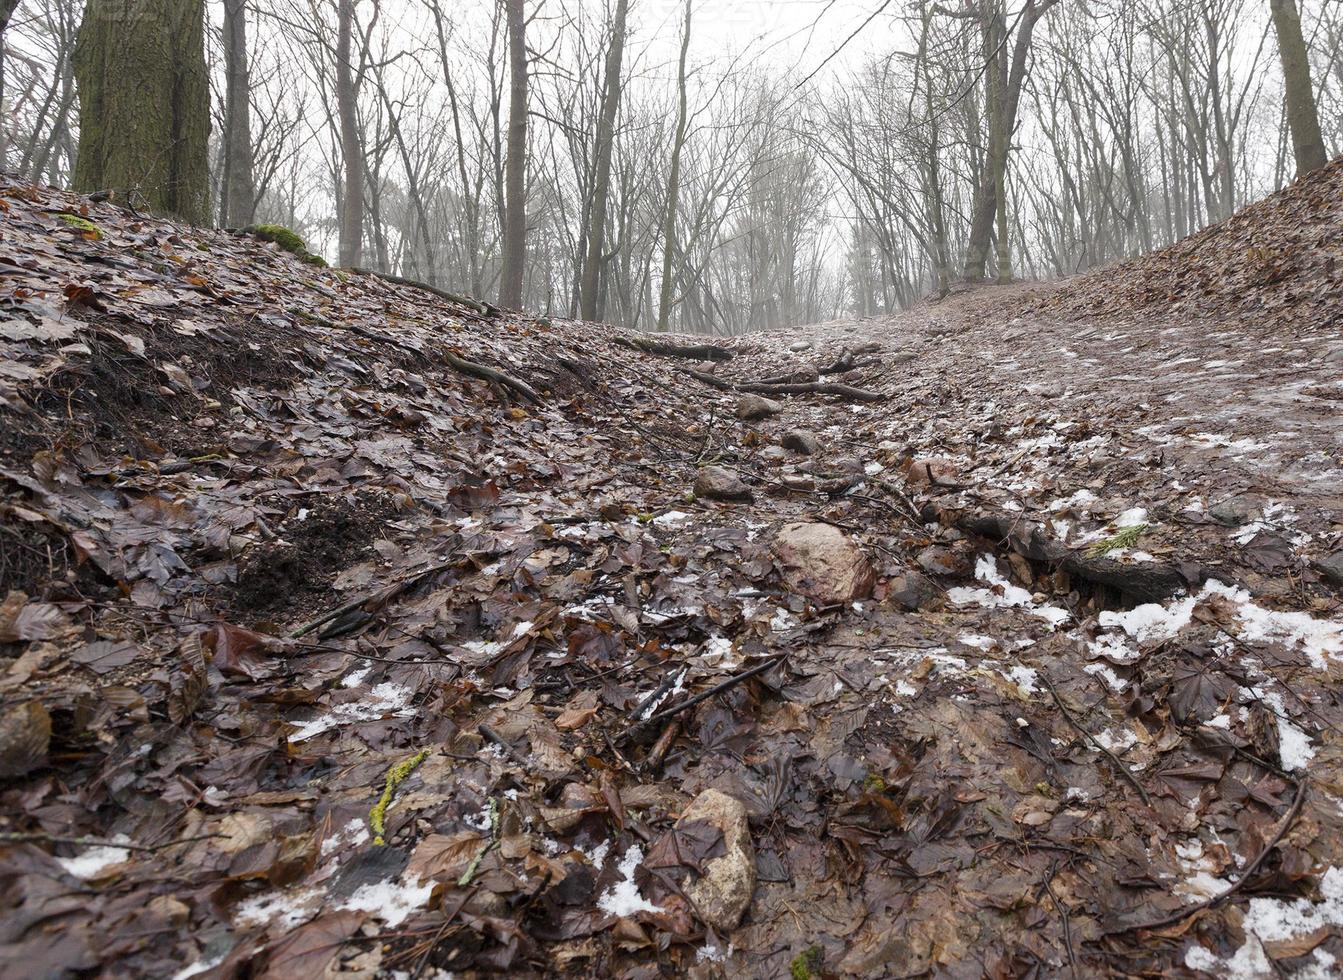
1237,510
913,591
773,454
722,896
1332,568
752,407
802,441
718,483
798,346
820,562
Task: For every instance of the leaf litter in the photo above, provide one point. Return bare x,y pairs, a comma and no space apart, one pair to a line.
266,544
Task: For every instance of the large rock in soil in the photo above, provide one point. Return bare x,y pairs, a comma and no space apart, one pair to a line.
722,896
820,562
751,407
719,483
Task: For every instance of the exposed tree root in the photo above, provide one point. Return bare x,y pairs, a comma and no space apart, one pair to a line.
848,392
484,309
520,388
697,352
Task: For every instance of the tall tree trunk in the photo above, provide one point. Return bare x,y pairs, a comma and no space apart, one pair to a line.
589,308
144,114
238,192
515,180
1002,124
351,146
1302,117
674,183
6,12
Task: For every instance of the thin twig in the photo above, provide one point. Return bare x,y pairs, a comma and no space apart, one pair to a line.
675,710
37,837
1114,759
504,744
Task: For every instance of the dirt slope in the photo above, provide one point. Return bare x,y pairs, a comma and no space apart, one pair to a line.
1092,689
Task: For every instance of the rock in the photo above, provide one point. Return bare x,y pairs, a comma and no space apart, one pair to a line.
752,407
932,472
718,483
820,562
25,736
1237,510
723,895
1332,568
939,560
801,441
798,346
773,454
913,591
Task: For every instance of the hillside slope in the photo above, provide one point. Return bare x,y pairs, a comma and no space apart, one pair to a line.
1044,682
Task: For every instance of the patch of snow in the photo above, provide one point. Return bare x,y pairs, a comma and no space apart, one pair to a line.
96,859
1131,517
977,641
284,909
1275,920
352,834
356,677
671,518
1222,721
385,699
1025,678
1003,593
200,966
391,901
1294,746
1106,673
623,898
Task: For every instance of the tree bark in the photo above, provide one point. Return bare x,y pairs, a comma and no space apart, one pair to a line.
1002,123
6,12
238,192
351,146
674,183
144,115
592,263
515,179
1303,119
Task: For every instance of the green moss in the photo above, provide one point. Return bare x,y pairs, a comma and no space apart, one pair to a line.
395,777
288,240
806,964
1125,538
874,783
89,229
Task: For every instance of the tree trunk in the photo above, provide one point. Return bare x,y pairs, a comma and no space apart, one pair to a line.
6,12
515,180
1002,123
589,308
351,148
1302,117
144,114
238,192
674,184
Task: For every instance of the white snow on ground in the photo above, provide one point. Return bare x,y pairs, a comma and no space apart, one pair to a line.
623,897
1279,518
1318,637
1294,746
1002,593
391,901
285,909
200,966
96,859
352,834
1273,920
385,699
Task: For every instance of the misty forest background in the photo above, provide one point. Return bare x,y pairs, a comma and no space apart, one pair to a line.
670,180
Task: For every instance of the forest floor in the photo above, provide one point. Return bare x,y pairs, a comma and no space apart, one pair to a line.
1016,655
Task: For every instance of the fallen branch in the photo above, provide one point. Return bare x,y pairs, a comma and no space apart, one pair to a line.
801,388
36,837
731,682
492,374
816,388
504,744
484,309
1181,914
697,352
381,596
1114,759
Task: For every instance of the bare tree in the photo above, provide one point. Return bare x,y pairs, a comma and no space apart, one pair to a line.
596,244
515,191
237,204
1302,117
352,150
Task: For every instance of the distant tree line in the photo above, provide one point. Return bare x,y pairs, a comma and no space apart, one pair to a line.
551,154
